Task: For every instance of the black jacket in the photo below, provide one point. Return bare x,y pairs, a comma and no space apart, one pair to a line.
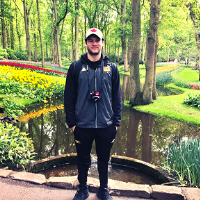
81,81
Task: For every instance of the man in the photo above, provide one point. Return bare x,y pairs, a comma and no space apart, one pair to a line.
93,108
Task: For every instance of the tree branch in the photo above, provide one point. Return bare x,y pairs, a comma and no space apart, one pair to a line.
57,23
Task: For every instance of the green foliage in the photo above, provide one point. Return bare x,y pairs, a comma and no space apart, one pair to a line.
14,87
192,100
113,58
180,81
2,53
163,78
16,55
183,158
12,109
11,54
16,149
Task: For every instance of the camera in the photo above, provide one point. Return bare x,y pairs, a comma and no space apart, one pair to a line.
95,96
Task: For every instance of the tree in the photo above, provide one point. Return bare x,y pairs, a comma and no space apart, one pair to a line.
121,10
124,49
57,34
76,31
151,51
26,22
3,28
57,23
194,8
135,94
40,33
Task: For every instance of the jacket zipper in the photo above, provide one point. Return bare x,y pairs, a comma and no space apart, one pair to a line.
95,87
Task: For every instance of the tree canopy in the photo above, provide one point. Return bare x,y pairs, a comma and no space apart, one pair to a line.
20,32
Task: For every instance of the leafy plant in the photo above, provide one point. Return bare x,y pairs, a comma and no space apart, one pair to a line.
11,108
163,78
16,149
192,100
2,53
183,158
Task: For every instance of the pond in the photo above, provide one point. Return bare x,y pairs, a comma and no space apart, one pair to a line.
141,136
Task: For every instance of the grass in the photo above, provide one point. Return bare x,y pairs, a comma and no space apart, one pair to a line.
189,75
173,107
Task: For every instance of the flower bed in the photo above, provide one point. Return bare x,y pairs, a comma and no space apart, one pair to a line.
26,84
30,67
194,87
167,68
41,85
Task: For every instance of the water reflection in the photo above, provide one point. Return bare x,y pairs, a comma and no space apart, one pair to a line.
141,136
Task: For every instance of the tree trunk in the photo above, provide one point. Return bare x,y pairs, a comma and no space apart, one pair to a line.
47,55
40,33
124,87
168,54
3,28
8,36
151,51
57,35
196,27
26,21
72,32
135,94
143,49
154,93
12,35
123,7
52,39
35,44
18,33
76,32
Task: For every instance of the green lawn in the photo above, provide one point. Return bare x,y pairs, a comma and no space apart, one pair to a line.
189,75
172,106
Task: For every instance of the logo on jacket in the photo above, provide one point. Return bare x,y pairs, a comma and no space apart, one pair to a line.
106,68
83,70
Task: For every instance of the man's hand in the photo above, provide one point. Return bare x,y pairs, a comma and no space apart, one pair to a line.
73,128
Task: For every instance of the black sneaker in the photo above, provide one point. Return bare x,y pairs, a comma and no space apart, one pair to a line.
103,194
81,194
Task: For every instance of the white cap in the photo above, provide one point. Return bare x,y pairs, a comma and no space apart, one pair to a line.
94,31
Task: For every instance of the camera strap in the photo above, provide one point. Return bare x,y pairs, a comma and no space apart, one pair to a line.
101,79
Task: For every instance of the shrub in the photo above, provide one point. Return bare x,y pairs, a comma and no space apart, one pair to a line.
2,53
163,78
21,55
113,58
12,109
16,149
192,100
183,158
11,54
195,68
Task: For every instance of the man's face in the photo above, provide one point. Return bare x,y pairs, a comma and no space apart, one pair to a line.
94,45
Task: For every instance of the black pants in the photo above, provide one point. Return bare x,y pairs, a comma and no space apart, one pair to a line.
104,138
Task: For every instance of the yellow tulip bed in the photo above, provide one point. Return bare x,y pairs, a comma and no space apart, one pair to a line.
166,68
21,86
39,86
